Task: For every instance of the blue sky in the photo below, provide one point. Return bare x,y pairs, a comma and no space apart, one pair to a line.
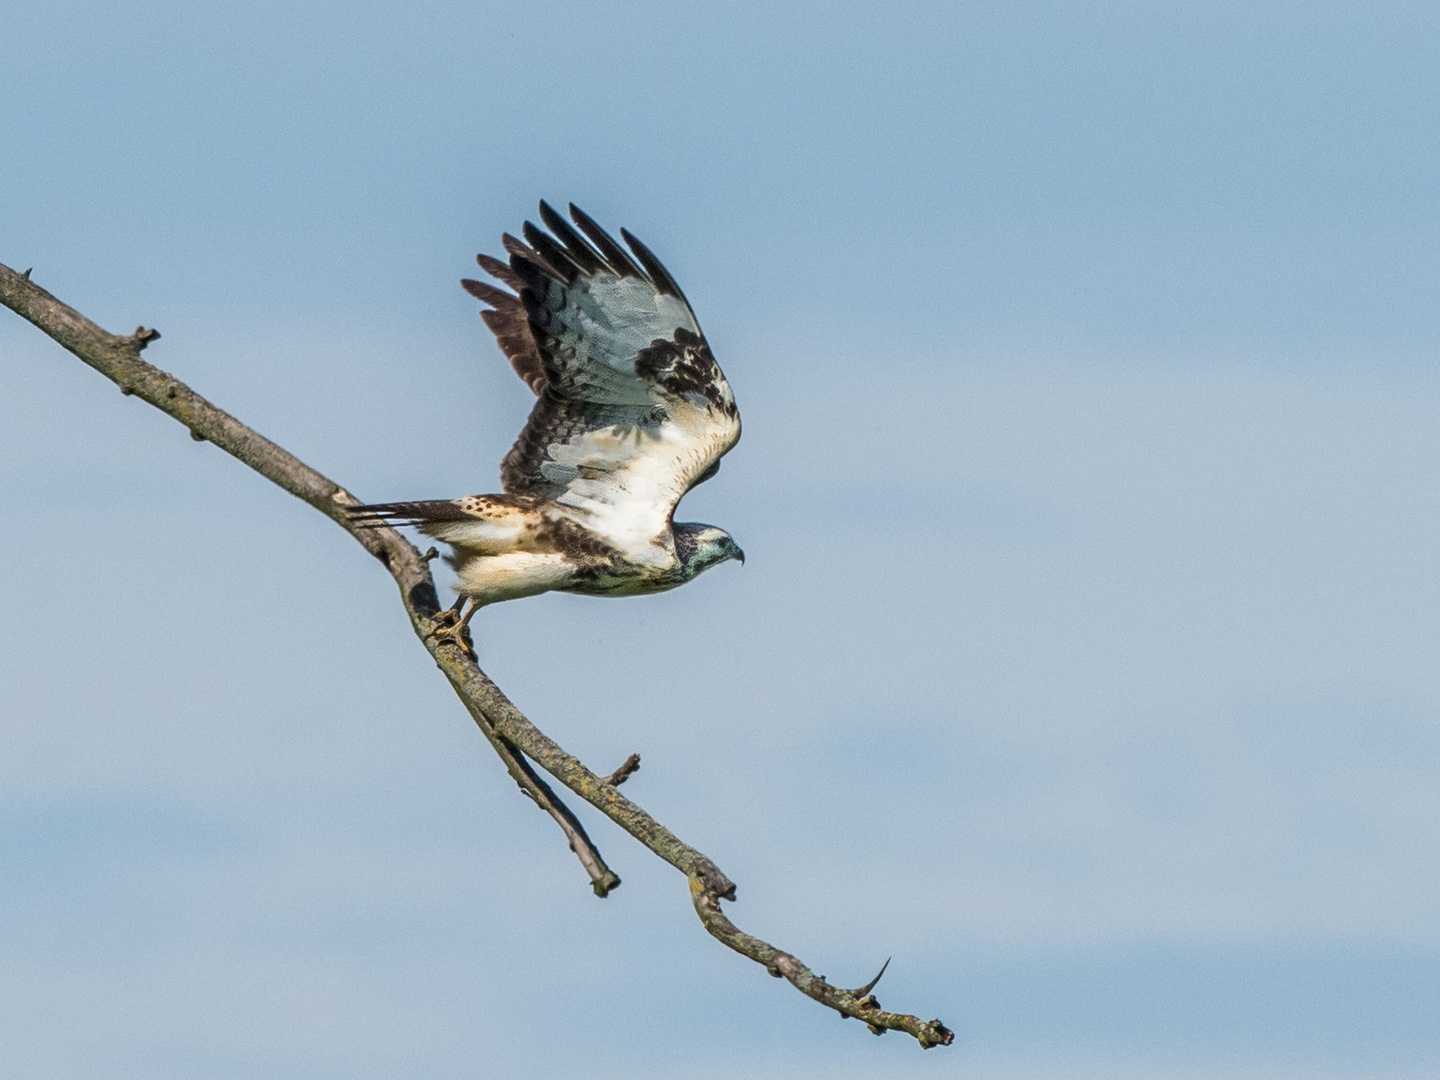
1084,655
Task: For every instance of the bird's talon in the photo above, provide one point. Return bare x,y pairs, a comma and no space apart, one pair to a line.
448,628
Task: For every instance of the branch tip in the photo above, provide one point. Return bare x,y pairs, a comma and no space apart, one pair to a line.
603,886
26,274
627,769
713,886
143,336
935,1034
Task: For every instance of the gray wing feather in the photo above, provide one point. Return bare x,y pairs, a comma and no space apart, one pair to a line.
632,406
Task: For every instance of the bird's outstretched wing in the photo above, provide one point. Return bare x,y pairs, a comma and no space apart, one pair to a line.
633,411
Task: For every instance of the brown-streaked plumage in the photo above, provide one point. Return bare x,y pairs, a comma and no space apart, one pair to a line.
632,413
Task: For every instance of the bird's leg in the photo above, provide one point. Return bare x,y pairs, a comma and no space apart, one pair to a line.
462,630
450,626
451,615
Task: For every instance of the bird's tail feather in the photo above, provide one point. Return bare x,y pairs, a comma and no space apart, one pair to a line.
407,513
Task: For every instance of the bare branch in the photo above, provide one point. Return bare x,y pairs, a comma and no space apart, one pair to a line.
512,735
118,359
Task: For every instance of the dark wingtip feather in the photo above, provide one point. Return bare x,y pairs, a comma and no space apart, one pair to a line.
522,256
507,319
517,248
511,327
575,246
653,266
612,252
551,252
499,270
486,293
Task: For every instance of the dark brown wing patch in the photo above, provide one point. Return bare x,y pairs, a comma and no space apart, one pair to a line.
685,367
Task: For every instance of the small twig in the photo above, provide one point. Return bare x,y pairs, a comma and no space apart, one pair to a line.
628,768
512,735
602,879
864,991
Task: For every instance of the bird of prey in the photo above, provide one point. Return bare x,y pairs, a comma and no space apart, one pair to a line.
632,413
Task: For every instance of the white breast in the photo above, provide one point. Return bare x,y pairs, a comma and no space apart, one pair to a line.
493,578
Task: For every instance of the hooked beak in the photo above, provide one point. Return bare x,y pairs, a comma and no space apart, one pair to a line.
739,555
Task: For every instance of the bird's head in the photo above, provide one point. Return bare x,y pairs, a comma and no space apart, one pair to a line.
699,547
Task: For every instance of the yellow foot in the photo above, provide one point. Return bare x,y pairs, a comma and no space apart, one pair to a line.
450,629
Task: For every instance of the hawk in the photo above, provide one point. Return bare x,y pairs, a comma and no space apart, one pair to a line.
632,413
